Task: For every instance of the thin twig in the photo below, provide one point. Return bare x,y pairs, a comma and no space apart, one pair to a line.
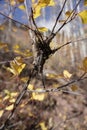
49,39
59,16
59,87
71,15
17,21
68,44
38,34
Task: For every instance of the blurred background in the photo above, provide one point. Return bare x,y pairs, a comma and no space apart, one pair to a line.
57,109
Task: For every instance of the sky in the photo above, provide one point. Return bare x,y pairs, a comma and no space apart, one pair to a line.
47,19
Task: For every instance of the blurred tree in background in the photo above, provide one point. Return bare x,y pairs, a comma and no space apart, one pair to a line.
43,64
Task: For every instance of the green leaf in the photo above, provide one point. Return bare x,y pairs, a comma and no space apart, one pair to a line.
83,16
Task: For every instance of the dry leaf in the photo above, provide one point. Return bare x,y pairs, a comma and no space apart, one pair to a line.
74,88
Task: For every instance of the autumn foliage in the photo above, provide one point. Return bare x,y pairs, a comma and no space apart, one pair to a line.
32,98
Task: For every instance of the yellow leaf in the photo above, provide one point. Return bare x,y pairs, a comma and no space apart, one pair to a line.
14,94
83,16
44,3
85,2
24,79
16,47
1,113
33,1
9,108
25,53
37,12
43,29
30,87
7,92
10,95
53,76
67,74
6,98
68,13
85,64
39,5
38,96
74,88
22,7
43,126
17,66
12,2
12,100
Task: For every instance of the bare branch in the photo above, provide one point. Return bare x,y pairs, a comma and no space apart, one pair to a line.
68,44
82,77
58,16
34,23
69,19
27,27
